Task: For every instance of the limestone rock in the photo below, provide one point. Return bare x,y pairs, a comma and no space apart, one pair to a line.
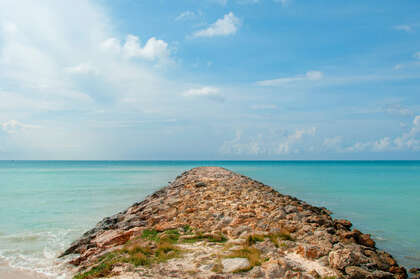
234,264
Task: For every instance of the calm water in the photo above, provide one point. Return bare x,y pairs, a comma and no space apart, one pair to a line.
44,205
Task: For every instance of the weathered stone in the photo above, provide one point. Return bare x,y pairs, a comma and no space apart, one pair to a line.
234,264
339,259
257,272
274,270
342,224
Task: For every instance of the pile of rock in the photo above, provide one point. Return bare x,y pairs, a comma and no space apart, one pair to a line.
225,225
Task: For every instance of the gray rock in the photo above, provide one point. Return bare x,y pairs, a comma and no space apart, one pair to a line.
234,264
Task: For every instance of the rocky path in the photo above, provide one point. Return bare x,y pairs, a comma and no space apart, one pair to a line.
214,223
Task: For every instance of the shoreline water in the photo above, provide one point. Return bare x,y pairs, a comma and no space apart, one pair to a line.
8,272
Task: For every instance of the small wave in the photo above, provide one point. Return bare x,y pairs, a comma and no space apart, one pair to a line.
379,238
21,238
37,252
412,258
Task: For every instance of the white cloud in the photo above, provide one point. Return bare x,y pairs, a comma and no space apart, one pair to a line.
408,141
411,139
209,92
42,62
83,68
403,27
111,44
186,15
228,25
14,126
271,142
203,91
154,49
397,109
382,144
309,76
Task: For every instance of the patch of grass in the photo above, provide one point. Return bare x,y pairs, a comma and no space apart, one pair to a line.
217,238
254,238
151,247
171,236
137,253
251,253
210,238
275,237
150,235
101,270
187,229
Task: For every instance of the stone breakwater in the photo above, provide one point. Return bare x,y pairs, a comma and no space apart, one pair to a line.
214,223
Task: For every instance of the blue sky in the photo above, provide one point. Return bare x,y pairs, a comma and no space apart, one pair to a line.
210,79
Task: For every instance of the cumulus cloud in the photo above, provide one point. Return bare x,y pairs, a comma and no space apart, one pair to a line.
411,139
14,126
308,76
154,49
407,141
228,25
271,142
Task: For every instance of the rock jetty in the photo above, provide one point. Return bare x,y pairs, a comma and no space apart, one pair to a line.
213,223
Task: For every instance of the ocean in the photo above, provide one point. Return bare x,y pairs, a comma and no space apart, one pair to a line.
45,205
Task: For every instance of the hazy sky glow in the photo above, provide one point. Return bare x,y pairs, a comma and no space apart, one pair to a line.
210,79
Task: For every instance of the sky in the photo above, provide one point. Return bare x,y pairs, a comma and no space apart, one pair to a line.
209,80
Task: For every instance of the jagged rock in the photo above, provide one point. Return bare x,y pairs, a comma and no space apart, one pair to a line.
274,270
342,224
224,222
257,272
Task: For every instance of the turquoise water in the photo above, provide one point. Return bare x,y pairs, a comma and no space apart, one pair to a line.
44,205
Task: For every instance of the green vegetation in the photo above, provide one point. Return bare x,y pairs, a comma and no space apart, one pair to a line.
150,235
136,253
187,229
151,247
276,237
254,238
208,237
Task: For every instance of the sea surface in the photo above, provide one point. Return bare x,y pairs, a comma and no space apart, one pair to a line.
45,205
